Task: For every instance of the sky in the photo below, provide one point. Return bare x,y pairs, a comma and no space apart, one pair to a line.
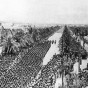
44,11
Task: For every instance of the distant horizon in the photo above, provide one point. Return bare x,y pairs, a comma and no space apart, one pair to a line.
12,22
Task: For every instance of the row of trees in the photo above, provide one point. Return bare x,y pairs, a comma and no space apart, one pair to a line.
71,51
15,40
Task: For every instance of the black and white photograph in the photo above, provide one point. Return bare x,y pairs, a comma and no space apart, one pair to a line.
43,43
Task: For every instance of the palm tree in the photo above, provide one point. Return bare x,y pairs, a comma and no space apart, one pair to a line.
24,39
10,47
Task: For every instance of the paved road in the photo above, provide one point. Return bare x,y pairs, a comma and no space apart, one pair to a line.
54,49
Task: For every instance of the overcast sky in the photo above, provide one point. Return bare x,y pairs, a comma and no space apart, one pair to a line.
44,11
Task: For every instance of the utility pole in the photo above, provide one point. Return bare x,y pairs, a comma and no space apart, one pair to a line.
62,64
62,76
